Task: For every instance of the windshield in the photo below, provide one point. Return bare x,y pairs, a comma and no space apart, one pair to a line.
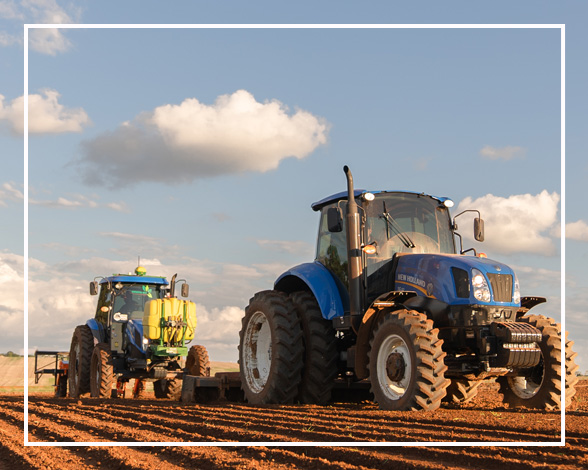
131,299
407,223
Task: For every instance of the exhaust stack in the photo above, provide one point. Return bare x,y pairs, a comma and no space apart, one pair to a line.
355,269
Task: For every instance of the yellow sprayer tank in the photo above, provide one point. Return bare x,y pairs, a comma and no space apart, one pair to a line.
172,309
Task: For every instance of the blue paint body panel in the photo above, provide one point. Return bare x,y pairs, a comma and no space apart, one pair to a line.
136,279
430,275
322,284
97,330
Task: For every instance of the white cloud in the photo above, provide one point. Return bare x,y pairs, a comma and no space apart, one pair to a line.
504,153
517,224
76,201
46,114
9,192
181,143
47,41
10,10
577,231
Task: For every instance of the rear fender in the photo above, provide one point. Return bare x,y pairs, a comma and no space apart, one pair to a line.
97,331
331,296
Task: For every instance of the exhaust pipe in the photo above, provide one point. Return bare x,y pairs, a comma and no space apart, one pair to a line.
354,258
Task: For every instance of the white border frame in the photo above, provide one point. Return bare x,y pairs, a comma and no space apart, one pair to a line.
285,26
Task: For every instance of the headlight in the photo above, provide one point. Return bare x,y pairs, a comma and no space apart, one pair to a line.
480,286
516,297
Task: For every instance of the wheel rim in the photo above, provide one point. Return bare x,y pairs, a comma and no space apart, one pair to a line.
529,385
393,367
257,352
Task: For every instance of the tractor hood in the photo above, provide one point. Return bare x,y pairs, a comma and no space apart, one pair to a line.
450,278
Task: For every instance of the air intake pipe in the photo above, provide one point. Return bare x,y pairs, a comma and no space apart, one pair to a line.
355,268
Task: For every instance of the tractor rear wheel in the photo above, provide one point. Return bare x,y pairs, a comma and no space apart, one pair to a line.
198,362
270,350
320,351
540,386
406,363
461,391
80,355
101,372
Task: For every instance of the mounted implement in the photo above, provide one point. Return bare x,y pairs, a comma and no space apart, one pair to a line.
390,303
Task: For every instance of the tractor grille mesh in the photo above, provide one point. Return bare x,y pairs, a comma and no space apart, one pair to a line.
501,287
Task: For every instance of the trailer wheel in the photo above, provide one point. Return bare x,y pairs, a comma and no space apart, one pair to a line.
461,391
540,386
405,362
270,350
320,351
61,387
198,362
80,355
101,372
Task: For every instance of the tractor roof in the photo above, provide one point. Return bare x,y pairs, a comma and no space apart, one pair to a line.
358,192
135,279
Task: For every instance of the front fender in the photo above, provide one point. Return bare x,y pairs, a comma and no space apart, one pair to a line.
331,296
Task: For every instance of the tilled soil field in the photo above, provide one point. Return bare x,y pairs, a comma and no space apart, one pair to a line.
484,420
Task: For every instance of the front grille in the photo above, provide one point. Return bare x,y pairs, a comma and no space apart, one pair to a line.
501,287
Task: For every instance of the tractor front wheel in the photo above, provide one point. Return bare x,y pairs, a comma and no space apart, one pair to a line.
101,372
170,389
406,363
198,362
80,355
461,391
270,350
540,386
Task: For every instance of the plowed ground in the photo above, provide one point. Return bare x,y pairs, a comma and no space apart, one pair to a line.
485,419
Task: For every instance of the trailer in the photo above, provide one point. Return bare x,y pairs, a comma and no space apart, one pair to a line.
60,362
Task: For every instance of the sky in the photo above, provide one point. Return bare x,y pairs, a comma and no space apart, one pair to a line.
200,150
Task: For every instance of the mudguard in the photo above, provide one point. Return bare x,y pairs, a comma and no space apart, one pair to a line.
330,295
97,331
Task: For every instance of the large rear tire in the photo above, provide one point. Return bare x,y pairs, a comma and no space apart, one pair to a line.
540,387
101,372
80,355
406,363
320,351
270,350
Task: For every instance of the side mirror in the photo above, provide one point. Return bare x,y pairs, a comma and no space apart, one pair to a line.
185,290
94,288
479,229
334,219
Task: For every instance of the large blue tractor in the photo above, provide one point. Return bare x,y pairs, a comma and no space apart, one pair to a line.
391,301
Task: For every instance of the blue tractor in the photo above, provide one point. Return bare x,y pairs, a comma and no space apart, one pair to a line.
139,332
392,303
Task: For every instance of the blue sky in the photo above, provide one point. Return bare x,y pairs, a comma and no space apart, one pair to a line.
119,169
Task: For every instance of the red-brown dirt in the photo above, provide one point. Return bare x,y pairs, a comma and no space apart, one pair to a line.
483,420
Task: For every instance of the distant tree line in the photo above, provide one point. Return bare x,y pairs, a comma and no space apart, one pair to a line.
10,354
